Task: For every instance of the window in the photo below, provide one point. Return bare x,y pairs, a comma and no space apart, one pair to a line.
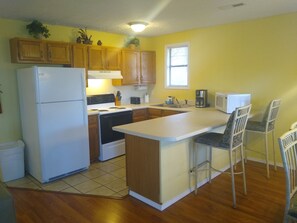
177,63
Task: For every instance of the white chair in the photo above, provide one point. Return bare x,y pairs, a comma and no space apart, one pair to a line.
230,140
264,127
293,126
288,149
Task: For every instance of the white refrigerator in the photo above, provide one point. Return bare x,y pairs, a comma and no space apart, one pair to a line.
54,121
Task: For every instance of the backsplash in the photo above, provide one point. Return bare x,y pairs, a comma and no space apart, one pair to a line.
102,86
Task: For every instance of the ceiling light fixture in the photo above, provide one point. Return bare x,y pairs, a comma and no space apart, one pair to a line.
138,26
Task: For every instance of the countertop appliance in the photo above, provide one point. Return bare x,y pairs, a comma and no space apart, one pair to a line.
54,121
201,98
111,143
135,100
228,102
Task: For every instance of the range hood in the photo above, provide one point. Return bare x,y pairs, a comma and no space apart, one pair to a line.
104,74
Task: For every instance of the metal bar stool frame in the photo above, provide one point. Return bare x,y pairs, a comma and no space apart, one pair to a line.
288,150
230,140
264,127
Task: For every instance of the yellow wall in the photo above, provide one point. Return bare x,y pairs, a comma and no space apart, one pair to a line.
257,57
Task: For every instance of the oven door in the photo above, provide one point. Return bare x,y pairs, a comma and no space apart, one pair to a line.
107,121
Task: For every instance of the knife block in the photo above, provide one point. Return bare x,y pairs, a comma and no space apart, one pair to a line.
117,102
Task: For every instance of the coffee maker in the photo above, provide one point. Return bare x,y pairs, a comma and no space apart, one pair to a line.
201,98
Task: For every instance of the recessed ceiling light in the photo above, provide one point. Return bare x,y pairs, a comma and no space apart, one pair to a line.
137,26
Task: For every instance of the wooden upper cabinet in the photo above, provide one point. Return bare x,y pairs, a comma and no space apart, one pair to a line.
27,51
79,56
39,51
104,58
96,58
58,52
130,68
148,67
138,67
112,58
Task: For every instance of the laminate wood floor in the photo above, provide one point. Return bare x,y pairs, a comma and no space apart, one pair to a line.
213,203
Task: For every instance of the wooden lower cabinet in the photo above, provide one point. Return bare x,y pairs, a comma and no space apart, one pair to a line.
93,137
154,113
140,114
170,112
143,165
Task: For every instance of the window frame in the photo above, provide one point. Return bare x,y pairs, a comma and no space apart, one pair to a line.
167,67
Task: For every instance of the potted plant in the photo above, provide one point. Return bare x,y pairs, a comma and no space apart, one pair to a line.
38,30
83,38
133,43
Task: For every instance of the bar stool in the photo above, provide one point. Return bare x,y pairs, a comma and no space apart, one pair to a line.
264,127
230,140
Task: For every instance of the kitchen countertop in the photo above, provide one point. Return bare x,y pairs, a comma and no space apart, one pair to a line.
148,105
177,127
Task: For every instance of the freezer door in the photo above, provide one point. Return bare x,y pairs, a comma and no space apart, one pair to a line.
63,138
60,84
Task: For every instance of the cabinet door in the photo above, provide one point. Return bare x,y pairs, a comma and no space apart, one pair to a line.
112,58
130,67
170,112
27,51
93,138
148,67
58,53
79,56
96,57
139,115
154,113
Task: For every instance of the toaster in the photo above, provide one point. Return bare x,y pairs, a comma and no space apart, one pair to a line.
135,100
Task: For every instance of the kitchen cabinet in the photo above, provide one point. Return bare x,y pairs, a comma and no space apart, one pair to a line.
112,56
170,112
130,68
138,67
95,58
140,114
39,51
104,58
148,67
58,52
93,137
79,56
156,113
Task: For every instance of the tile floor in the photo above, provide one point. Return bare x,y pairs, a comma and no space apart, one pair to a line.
102,178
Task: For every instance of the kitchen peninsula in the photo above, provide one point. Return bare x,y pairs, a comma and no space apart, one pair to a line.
159,154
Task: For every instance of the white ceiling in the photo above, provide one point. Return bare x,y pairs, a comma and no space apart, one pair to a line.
163,16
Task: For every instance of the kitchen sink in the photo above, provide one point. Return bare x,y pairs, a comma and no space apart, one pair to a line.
173,105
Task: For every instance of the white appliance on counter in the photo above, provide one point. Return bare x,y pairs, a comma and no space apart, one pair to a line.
228,102
54,121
